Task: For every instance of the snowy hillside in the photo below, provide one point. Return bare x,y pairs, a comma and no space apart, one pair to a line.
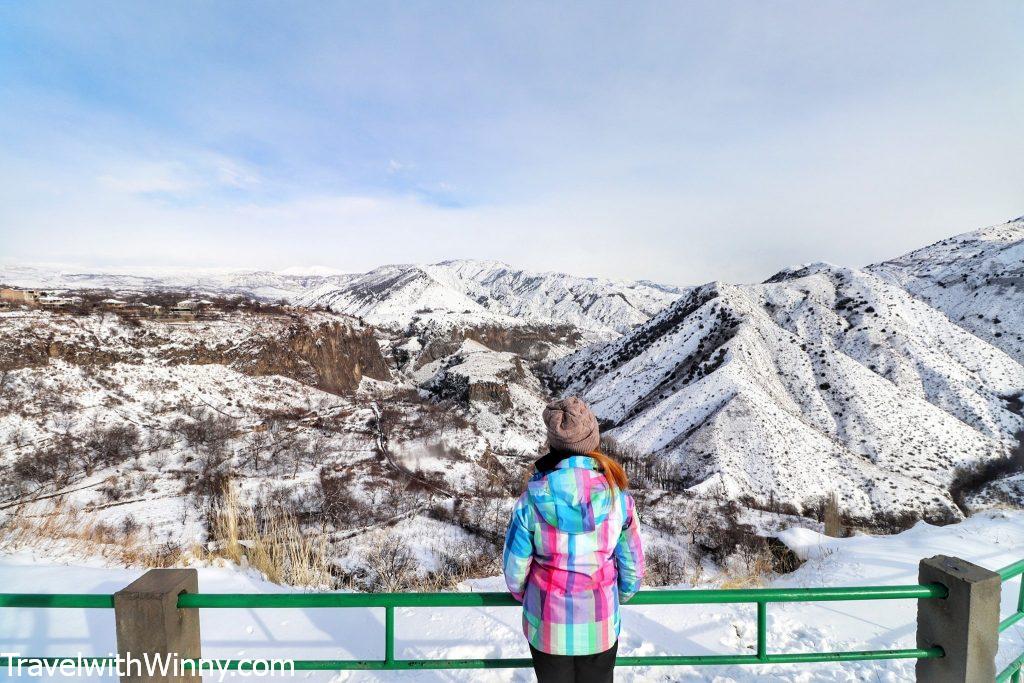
505,396
126,436
823,379
977,279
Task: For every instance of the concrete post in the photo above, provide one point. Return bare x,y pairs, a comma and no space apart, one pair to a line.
149,622
965,624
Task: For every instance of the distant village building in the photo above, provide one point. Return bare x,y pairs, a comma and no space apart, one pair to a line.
61,300
38,298
26,297
140,310
190,308
58,303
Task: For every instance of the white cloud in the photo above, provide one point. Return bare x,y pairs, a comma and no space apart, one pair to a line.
197,172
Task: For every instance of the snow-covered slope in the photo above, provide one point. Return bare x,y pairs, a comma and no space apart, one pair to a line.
823,379
977,279
505,398
138,424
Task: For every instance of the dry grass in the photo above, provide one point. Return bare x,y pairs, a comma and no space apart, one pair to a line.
272,542
82,533
832,517
750,568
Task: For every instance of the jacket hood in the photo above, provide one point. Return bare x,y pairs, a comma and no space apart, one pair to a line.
574,497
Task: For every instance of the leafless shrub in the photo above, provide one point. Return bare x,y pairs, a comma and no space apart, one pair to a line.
772,505
665,565
316,450
159,461
17,438
483,517
339,505
158,440
207,430
6,384
113,491
256,447
130,527
111,446
391,566
46,465
457,562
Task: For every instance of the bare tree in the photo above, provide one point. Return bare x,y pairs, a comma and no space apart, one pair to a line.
316,450
6,385
17,438
257,445
206,430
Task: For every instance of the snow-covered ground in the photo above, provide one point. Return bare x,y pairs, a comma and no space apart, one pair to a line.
991,539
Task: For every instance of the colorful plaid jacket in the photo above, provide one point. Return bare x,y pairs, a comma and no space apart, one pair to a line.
572,554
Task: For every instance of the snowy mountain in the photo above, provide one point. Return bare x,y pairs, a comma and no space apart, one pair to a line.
977,279
488,292
822,379
260,284
452,293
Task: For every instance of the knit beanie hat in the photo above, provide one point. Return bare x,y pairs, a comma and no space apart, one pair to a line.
571,426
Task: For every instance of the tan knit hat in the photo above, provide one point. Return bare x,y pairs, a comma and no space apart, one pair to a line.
571,426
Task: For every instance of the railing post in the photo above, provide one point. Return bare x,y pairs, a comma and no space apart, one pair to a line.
762,631
965,624
389,635
150,624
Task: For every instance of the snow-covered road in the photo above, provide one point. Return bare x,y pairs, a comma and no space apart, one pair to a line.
991,539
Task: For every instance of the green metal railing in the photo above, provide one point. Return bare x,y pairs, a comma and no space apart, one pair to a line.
1013,671
389,601
761,598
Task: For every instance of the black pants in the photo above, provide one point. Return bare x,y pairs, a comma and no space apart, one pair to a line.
597,668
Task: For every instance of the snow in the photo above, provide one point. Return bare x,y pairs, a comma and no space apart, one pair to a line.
804,542
990,539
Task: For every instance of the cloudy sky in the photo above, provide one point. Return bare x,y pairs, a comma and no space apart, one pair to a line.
677,141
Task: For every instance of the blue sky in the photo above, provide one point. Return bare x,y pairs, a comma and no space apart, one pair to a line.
678,141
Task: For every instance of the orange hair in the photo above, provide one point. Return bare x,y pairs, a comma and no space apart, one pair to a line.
613,471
